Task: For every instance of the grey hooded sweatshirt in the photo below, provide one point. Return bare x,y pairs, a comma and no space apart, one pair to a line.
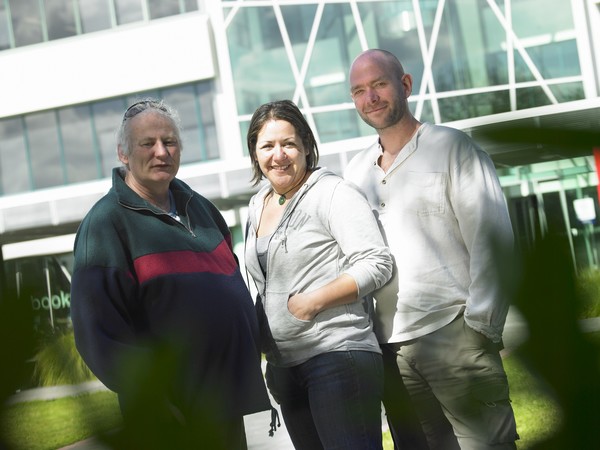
327,229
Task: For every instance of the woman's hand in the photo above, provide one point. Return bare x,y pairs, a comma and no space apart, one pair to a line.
301,307
306,305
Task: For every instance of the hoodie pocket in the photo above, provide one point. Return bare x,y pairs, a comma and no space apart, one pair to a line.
284,326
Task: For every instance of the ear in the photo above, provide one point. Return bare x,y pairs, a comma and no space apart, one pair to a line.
407,82
122,157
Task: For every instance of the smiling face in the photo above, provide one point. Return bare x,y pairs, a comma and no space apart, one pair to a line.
154,153
380,90
281,155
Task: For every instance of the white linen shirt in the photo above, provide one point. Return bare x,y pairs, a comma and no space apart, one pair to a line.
445,219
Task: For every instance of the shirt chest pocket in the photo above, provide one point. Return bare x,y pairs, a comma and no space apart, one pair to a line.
424,192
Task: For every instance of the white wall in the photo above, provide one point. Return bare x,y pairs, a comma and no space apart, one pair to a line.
109,63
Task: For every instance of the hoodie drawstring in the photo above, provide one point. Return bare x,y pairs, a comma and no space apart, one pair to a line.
274,421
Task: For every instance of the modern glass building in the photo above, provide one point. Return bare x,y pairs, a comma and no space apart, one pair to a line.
69,68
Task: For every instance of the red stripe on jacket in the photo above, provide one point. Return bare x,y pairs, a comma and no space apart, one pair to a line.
219,261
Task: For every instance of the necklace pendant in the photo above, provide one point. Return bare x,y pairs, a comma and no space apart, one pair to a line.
282,199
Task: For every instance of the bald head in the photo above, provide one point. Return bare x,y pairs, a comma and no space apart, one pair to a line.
380,90
387,61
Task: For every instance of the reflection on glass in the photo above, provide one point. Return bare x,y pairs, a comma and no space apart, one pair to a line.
128,11
163,8
469,42
95,15
107,118
4,28
426,112
131,99
26,22
475,105
44,150
568,92
205,95
548,39
183,100
190,5
339,125
60,19
552,60
194,103
14,167
79,150
298,23
244,126
531,97
260,65
392,25
336,46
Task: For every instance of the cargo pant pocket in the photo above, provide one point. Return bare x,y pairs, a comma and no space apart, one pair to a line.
497,417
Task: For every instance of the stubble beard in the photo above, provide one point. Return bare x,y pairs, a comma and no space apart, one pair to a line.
393,117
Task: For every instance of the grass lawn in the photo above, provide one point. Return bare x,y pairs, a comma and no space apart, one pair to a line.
536,414
46,425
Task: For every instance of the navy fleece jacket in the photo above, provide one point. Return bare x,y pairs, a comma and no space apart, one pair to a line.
144,281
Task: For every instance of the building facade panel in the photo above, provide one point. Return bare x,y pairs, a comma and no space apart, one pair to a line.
111,63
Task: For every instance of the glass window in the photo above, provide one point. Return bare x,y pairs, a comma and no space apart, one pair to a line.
4,28
194,105
339,125
163,8
26,22
60,19
44,283
460,60
298,23
568,92
244,127
205,93
183,99
336,46
81,159
476,105
391,25
494,38
259,63
44,150
426,112
107,118
531,97
14,165
191,5
131,99
548,39
559,59
128,11
95,15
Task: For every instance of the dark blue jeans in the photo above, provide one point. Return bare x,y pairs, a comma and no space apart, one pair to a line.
331,401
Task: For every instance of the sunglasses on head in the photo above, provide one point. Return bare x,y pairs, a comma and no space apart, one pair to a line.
141,106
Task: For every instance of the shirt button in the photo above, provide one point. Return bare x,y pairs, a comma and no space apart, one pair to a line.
382,205
383,182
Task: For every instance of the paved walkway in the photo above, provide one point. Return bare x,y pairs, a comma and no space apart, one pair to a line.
257,435
257,425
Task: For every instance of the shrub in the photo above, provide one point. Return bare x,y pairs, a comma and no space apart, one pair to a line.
58,363
588,288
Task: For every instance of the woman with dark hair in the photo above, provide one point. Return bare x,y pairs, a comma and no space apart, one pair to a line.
315,252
